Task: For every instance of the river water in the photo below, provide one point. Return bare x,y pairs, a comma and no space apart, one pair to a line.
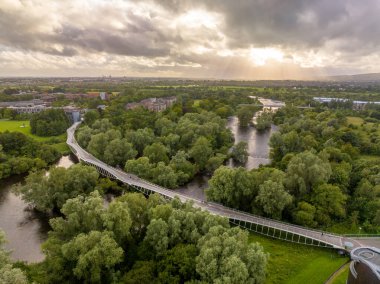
258,148
25,228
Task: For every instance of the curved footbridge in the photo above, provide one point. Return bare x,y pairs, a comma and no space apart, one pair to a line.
261,225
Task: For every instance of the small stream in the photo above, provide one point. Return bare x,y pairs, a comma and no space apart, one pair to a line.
25,228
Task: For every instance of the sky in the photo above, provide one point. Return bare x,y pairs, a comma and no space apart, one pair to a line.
213,39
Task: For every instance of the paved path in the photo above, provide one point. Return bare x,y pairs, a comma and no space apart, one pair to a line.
258,224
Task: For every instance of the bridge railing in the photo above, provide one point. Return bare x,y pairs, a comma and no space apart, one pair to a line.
274,221
226,210
362,235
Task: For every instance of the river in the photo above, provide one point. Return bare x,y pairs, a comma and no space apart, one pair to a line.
25,228
258,148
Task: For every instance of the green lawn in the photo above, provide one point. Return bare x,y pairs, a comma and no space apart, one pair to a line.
341,277
354,120
24,127
292,263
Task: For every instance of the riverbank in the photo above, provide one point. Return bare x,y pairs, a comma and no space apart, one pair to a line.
25,228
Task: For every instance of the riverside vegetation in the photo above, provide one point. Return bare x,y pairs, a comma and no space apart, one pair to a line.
140,240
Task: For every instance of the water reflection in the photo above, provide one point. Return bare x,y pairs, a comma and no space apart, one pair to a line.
25,228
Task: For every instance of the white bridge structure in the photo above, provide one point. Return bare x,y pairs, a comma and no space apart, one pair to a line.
269,227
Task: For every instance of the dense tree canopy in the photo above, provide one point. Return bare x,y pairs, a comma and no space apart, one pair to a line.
49,122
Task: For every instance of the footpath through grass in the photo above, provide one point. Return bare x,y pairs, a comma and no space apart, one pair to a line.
298,264
23,126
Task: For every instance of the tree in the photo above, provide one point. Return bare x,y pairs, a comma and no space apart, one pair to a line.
201,152
215,162
141,167
178,264
8,273
91,116
52,191
227,257
273,198
84,136
118,151
304,214
49,122
157,236
156,153
101,126
183,168
98,144
137,205
140,138
305,171
330,203
164,175
81,215
264,120
245,115
239,152
93,256
230,187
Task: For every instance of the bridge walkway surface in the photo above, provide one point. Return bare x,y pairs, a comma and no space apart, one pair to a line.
258,224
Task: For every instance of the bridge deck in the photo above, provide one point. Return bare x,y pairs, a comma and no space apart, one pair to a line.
258,224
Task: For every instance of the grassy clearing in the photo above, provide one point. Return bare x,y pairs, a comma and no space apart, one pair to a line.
292,263
24,127
354,120
341,276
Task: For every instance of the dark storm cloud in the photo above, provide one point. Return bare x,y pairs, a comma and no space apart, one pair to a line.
302,23
137,37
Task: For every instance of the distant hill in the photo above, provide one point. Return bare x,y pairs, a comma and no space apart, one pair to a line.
357,77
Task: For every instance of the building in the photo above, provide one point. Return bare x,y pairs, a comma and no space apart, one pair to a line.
153,104
357,105
365,266
35,106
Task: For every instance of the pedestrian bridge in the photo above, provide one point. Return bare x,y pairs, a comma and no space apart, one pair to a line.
257,224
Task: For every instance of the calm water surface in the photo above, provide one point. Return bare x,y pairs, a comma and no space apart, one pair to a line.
25,228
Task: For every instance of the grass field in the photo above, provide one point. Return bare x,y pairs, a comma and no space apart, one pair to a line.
354,120
341,276
298,264
24,127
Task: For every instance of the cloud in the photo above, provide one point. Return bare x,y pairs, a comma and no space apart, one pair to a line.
210,38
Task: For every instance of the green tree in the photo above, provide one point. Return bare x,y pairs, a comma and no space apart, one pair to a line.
118,151
304,214
84,136
8,273
240,152
141,167
263,121
49,122
157,236
52,191
273,198
305,171
245,115
164,175
201,152
226,256
140,138
330,203
98,144
156,153
184,169
91,116
93,256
